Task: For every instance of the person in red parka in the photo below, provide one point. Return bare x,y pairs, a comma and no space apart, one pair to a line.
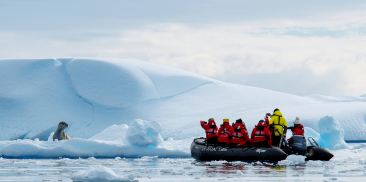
261,136
240,135
211,130
225,132
267,118
298,128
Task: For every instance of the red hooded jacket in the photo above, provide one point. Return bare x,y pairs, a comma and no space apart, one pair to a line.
266,119
225,133
261,135
210,128
240,134
298,129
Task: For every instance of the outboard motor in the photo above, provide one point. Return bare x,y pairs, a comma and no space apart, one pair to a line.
297,144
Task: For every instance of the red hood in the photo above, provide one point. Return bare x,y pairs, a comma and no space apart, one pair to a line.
211,123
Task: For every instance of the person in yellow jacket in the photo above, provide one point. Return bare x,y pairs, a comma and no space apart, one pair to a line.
278,125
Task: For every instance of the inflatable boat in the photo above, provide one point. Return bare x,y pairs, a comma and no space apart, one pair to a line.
308,147
297,145
202,151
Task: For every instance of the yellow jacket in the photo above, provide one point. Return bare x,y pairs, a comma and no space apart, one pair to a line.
278,122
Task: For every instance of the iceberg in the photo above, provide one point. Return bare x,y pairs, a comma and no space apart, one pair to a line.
101,100
331,133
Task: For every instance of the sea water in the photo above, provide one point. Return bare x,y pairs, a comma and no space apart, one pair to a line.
347,165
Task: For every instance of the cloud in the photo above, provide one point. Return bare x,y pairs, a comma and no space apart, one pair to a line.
326,56
223,51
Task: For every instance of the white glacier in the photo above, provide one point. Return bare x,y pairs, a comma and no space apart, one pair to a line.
101,100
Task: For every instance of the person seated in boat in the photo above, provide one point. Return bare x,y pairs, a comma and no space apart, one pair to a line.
240,135
298,128
297,142
261,136
210,128
60,133
225,132
278,126
240,122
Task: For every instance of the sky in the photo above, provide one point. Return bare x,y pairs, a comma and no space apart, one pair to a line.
300,47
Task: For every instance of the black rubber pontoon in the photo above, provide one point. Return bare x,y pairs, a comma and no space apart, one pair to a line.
314,152
299,145
202,151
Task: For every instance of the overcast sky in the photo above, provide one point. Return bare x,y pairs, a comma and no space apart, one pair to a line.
301,47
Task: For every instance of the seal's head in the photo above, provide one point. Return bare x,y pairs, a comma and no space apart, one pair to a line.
62,125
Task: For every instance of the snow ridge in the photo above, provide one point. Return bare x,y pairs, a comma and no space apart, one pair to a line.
87,93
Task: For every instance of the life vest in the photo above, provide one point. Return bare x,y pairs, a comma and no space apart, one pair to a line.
278,122
240,131
210,129
261,134
298,129
225,132
238,134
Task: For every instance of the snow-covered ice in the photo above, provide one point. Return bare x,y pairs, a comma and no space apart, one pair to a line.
131,108
99,173
140,138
